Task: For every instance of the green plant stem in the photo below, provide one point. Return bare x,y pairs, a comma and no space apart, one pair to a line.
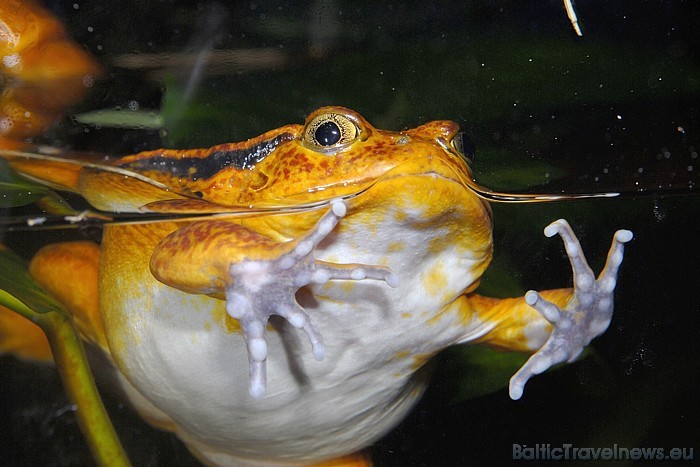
69,355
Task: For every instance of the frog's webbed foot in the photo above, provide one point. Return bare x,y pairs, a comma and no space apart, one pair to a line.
260,289
586,315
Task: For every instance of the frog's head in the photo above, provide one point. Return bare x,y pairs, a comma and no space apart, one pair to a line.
336,153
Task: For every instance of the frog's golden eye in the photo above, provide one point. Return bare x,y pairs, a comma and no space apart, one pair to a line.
330,131
463,145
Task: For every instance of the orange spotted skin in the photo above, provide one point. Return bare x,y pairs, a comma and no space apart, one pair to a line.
297,173
219,243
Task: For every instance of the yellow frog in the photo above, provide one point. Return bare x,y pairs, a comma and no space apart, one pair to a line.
290,326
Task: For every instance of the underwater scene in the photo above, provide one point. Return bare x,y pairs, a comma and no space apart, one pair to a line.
587,111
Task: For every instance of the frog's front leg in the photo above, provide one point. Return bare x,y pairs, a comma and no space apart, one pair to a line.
556,324
257,276
586,315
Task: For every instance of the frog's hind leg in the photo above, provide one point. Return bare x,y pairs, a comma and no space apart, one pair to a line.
358,459
212,456
22,338
68,271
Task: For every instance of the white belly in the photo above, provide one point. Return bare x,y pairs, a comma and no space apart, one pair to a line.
173,348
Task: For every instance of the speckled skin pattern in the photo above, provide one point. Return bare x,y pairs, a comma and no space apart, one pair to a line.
298,335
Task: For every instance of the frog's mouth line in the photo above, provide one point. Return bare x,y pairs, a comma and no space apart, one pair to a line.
504,197
95,219
449,172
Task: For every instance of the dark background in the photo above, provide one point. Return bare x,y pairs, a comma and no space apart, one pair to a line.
617,109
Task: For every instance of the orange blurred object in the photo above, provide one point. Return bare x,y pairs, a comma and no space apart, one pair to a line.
41,71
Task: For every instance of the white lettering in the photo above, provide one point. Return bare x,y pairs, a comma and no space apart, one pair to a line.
517,452
557,453
607,454
568,452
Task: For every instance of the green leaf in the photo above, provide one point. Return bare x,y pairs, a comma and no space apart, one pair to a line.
16,191
196,120
55,204
118,118
19,288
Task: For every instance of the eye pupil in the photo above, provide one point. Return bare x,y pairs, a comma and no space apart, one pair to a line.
327,134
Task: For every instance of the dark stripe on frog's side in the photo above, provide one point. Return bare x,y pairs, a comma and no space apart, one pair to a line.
206,167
